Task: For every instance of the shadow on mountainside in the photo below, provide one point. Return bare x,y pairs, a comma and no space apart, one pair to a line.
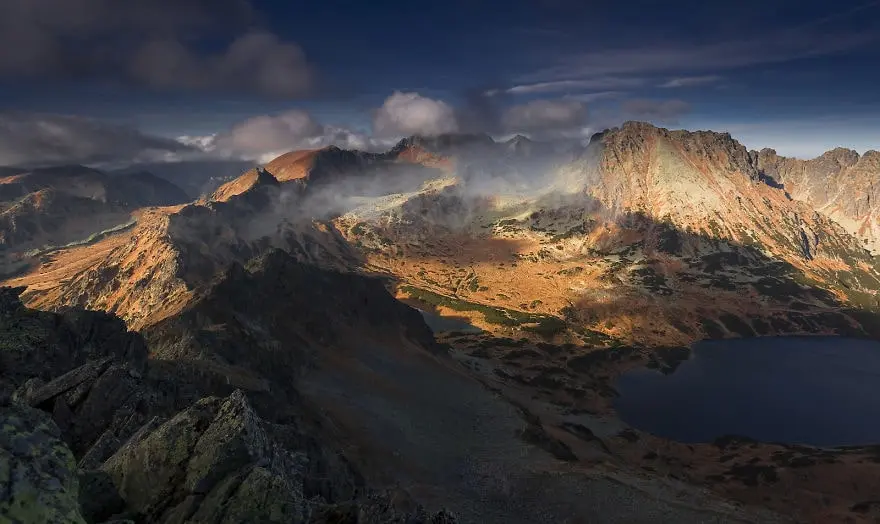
659,280
212,425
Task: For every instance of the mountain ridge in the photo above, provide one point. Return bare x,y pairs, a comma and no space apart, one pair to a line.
282,283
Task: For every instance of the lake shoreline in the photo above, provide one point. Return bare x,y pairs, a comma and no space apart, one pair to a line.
572,390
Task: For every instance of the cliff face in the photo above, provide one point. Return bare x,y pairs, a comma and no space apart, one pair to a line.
708,183
840,184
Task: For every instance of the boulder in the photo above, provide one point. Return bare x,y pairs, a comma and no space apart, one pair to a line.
37,471
214,462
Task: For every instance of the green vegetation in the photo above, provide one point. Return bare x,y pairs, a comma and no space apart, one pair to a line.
577,230
716,229
712,328
736,325
359,228
545,325
598,339
652,280
669,240
570,272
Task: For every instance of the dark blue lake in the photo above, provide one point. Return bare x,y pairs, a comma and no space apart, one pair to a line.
821,391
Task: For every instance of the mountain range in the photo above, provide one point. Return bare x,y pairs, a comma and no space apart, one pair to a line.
275,311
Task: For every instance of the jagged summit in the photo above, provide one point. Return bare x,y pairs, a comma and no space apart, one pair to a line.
840,183
280,285
448,143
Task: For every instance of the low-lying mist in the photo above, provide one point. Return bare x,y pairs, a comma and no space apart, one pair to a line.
494,183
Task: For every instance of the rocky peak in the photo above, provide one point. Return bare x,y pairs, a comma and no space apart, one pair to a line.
842,156
448,143
870,160
719,150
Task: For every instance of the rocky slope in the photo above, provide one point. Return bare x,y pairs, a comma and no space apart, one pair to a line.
199,433
45,208
651,236
231,418
840,184
648,238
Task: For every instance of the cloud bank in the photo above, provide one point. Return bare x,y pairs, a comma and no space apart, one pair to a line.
47,139
262,138
156,43
546,116
413,114
33,139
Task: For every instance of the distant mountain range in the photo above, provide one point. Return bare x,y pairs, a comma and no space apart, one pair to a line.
580,260
672,226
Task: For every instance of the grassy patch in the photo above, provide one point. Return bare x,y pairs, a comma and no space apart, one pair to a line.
545,325
574,271
359,228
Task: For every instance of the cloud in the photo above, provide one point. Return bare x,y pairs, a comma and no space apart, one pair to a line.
592,97
256,61
405,114
690,81
261,134
570,85
34,139
783,46
153,42
546,116
662,110
262,138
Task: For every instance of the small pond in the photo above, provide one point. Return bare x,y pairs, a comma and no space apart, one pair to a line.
820,391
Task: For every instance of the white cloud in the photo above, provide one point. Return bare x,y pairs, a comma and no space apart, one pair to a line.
265,133
262,138
690,81
405,114
782,46
545,115
610,82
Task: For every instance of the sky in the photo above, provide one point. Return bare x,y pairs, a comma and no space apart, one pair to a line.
93,79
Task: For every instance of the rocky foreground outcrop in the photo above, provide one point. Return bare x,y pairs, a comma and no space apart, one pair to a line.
37,471
93,431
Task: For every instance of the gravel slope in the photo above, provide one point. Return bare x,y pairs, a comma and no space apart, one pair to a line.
450,442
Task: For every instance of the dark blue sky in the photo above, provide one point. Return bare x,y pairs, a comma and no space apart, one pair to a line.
801,76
